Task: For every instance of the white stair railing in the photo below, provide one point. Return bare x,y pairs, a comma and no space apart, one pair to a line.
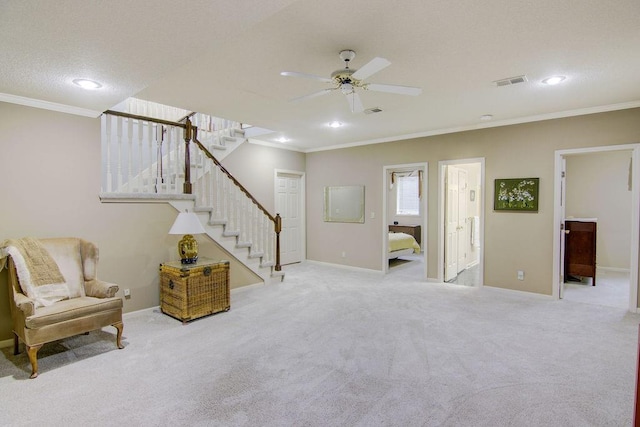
147,155
141,156
230,204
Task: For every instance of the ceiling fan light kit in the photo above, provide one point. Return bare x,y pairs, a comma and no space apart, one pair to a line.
348,81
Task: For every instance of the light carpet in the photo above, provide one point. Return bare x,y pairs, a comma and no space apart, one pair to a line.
335,347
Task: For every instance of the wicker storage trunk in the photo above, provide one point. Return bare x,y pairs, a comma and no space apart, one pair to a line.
191,291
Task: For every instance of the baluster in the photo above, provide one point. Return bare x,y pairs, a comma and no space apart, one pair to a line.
107,119
140,162
170,160
178,164
119,167
243,214
218,191
130,155
149,127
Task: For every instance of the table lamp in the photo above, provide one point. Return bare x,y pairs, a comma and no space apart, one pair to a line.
187,223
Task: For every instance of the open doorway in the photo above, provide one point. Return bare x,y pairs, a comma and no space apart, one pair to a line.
596,189
404,219
461,210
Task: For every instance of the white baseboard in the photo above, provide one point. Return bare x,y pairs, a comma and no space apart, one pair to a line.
617,269
6,343
345,267
247,288
473,264
142,310
516,291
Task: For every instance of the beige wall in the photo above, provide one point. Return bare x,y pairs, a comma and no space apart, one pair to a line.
50,172
263,161
513,241
598,187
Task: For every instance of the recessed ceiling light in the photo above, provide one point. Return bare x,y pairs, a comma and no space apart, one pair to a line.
486,117
282,139
87,84
335,124
554,80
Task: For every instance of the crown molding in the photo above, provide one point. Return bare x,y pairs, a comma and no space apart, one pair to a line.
493,124
46,105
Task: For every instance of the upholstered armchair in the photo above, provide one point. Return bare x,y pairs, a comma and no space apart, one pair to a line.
49,304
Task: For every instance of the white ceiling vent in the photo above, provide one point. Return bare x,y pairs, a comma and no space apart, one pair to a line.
510,81
372,110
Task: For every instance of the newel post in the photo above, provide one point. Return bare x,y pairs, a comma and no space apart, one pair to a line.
278,230
187,158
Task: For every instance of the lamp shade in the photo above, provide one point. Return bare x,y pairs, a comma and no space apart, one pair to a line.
187,223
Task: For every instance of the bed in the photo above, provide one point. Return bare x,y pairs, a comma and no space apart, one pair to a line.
401,244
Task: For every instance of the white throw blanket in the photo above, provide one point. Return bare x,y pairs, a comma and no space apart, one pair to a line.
40,277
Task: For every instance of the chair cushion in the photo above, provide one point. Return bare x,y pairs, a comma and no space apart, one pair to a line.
71,309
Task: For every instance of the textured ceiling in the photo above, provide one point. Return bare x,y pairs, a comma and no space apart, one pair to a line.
224,58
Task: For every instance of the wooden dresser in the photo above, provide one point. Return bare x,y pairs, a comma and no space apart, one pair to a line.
411,230
580,249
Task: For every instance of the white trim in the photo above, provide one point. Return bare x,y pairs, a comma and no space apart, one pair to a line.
303,204
481,209
142,310
344,267
517,292
492,124
614,269
635,216
246,288
46,105
274,145
425,215
6,343
143,197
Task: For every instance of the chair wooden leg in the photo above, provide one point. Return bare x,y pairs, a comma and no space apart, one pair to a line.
119,327
32,351
16,344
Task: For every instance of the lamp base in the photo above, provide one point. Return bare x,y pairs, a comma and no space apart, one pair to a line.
188,249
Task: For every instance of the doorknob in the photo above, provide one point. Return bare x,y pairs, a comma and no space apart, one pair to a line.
567,231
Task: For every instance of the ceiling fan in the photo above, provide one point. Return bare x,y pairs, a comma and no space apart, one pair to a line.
348,80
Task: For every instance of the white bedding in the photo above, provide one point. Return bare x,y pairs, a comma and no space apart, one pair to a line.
402,244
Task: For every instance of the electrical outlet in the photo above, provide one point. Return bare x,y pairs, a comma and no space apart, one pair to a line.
127,293
344,254
520,275
373,215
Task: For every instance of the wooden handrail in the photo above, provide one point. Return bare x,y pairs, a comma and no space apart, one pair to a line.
146,119
191,134
231,177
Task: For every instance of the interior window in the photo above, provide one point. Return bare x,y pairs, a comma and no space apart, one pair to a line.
408,201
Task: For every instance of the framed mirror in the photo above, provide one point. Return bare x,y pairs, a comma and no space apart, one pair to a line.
344,204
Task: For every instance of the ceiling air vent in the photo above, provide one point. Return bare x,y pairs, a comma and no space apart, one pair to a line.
511,81
372,110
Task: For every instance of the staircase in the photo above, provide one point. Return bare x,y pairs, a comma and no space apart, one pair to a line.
145,158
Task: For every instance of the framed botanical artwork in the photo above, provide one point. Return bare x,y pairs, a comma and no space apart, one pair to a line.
516,194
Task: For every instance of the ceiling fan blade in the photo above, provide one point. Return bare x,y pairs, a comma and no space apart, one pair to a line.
355,104
312,95
401,90
370,68
306,76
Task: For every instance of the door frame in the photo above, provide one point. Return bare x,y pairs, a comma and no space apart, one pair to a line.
635,216
303,214
441,213
425,217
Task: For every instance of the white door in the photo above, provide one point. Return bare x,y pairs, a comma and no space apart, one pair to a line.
563,198
451,224
463,234
288,205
